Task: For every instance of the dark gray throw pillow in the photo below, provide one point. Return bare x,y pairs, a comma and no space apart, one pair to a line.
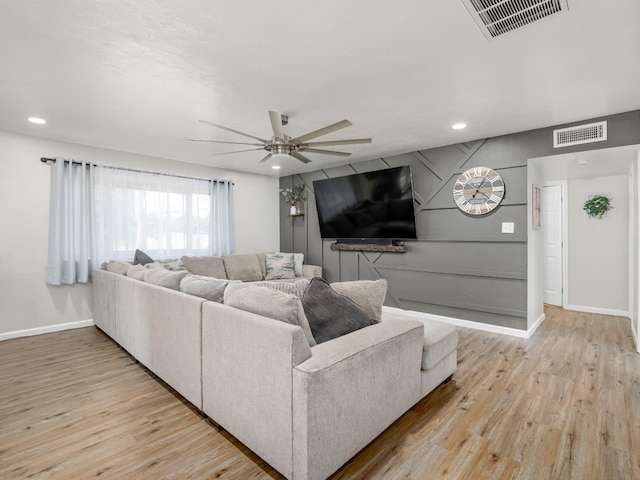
330,314
141,258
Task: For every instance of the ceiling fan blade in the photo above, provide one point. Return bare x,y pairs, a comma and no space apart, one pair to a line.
266,158
238,151
323,131
330,143
217,141
300,157
276,124
326,152
232,130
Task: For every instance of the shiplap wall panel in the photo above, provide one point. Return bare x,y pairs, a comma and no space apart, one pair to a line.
453,225
460,266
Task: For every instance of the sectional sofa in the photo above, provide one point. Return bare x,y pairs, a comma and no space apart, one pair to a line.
306,410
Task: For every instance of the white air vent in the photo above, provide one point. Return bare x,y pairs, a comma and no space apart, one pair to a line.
592,132
496,17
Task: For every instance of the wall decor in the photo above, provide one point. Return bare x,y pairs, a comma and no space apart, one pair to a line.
597,205
478,190
535,205
294,196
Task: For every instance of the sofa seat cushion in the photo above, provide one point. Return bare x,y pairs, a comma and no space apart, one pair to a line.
330,314
440,339
245,267
206,266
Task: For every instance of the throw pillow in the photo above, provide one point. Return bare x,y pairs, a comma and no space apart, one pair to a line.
141,258
298,260
369,294
330,314
271,303
137,272
173,265
279,266
205,287
118,267
205,266
297,288
164,278
245,267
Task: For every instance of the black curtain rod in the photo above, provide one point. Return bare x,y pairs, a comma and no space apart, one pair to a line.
53,160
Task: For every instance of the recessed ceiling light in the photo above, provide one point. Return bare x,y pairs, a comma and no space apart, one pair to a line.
582,161
459,126
275,167
39,121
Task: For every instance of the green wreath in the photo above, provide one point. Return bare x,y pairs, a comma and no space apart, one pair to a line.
597,206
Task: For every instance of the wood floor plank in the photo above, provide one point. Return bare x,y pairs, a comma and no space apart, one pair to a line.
564,404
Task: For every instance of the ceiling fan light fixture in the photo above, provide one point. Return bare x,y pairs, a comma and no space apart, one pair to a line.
275,167
278,157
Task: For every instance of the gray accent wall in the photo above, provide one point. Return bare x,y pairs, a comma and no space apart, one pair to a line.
460,266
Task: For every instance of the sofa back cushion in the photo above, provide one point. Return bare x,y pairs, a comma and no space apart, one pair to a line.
118,267
165,278
330,314
271,303
368,294
209,288
137,272
245,267
205,266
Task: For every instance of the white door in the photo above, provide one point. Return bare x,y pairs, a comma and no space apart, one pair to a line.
552,232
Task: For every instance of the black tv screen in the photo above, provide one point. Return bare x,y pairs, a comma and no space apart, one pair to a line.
368,205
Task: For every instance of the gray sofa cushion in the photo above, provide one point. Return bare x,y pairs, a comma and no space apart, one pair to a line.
141,258
271,303
369,294
263,263
206,266
205,287
330,314
279,266
164,278
245,267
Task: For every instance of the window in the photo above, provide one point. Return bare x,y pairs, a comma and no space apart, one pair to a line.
165,216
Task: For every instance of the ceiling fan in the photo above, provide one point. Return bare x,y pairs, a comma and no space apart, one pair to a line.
282,144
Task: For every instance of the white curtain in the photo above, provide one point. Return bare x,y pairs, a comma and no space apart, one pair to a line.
164,215
71,249
222,227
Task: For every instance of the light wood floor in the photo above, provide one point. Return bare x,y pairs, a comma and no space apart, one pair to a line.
562,405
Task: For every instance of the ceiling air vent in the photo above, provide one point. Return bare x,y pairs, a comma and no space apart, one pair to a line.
592,132
496,17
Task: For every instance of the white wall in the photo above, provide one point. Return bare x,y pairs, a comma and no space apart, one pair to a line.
598,253
26,301
635,250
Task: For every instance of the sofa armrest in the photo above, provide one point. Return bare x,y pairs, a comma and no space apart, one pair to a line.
350,390
246,378
311,271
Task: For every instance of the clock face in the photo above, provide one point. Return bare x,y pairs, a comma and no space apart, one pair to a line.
478,191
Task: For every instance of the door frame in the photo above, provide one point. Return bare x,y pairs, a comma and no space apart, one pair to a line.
564,210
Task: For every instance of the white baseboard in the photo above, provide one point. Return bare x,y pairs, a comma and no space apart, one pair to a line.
535,325
48,329
514,332
601,311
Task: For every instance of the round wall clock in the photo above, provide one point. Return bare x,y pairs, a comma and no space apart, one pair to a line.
478,190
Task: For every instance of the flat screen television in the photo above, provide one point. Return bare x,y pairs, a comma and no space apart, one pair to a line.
367,206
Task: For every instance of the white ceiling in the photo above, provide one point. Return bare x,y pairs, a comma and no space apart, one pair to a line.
137,75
